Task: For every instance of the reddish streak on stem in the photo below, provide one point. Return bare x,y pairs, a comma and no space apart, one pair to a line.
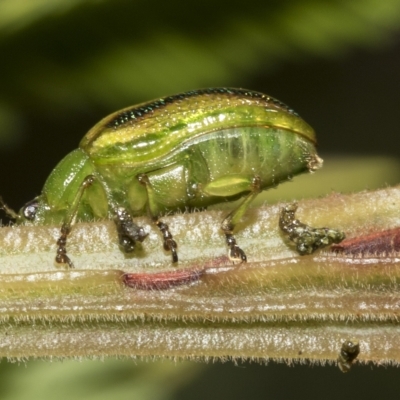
162,280
169,279
383,242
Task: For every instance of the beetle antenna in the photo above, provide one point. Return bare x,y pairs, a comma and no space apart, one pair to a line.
9,211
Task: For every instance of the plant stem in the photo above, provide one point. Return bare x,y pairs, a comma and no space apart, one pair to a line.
279,305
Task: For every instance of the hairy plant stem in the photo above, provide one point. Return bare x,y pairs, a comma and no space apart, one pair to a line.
277,306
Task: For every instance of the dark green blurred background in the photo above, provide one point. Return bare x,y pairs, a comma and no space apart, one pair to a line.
66,64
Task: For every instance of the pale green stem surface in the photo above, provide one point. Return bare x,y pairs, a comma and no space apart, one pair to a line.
279,305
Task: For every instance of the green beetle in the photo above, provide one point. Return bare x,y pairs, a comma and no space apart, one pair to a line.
179,152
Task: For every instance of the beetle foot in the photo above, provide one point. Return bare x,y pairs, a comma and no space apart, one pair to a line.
128,232
235,252
169,243
61,257
306,238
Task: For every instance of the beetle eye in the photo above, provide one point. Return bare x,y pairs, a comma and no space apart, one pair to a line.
30,209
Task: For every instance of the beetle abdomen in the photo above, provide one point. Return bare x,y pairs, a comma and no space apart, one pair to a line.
273,154
219,166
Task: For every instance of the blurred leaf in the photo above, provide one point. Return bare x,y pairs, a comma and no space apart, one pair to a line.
128,379
113,53
11,127
19,14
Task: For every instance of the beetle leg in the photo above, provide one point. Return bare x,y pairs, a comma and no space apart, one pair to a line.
128,232
231,220
306,238
61,257
169,243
